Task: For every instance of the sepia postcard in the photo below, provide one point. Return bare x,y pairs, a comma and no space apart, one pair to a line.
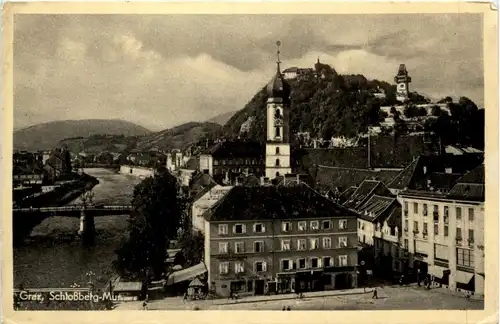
250,163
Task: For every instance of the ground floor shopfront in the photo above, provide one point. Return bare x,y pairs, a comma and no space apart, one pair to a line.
329,278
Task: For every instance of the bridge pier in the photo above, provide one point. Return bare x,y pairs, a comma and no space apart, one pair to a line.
87,227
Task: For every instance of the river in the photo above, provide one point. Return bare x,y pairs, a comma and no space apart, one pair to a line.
53,255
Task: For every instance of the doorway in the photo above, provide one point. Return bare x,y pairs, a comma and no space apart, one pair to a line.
259,287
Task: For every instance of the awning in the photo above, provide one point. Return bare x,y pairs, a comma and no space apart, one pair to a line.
186,274
436,271
463,277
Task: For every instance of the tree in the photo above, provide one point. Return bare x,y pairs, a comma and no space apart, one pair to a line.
192,247
410,111
155,218
436,111
422,112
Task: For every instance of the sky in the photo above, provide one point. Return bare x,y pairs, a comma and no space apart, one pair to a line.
159,71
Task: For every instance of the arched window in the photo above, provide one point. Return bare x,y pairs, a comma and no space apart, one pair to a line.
277,150
277,162
278,132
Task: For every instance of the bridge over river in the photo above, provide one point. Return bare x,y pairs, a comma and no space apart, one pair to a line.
52,254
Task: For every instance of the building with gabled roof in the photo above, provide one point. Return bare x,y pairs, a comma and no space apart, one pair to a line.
279,239
444,229
363,193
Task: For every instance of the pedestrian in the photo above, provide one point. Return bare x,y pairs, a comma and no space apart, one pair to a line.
145,305
288,308
375,294
284,308
418,277
185,297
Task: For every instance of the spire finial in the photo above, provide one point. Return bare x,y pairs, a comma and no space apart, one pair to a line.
278,44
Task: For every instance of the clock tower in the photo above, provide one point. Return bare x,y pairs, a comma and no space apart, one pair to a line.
278,132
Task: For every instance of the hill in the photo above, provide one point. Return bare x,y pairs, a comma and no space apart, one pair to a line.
324,107
48,135
179,137
222,118
344,105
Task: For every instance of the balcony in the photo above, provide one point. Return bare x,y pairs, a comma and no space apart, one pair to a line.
471,242
458,241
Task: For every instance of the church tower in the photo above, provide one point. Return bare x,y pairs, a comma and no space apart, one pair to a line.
278,132
402,80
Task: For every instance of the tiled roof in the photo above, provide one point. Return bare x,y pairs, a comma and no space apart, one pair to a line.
328,178
270,202
470,186
442,171
377,208
344,196
361,194
238,149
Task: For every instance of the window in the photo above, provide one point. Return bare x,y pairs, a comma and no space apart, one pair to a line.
436,213
445,229
459,213
343,241
436,229
406,244
415,227
343,260
301,263
327,262
314,263
260,266
286,226
259,228
222,229
465,258
258,246
343,224
415,208
277,150
406,225
471,214
446,215
285,245
277,162
224,267
239,247
327,224
405,210
471,236
459,233
425,228
302,226
239,267
424,209
314,244
314,225
277,131
286,265
327,243
301,244
239,228
223,248
359,224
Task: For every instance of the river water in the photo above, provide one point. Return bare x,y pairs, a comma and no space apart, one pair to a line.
53,255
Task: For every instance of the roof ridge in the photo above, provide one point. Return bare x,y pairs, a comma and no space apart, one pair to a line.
394,179
344,168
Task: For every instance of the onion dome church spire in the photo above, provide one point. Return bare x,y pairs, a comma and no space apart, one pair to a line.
278,89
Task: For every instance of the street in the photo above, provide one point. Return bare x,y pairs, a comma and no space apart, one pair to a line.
390,298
